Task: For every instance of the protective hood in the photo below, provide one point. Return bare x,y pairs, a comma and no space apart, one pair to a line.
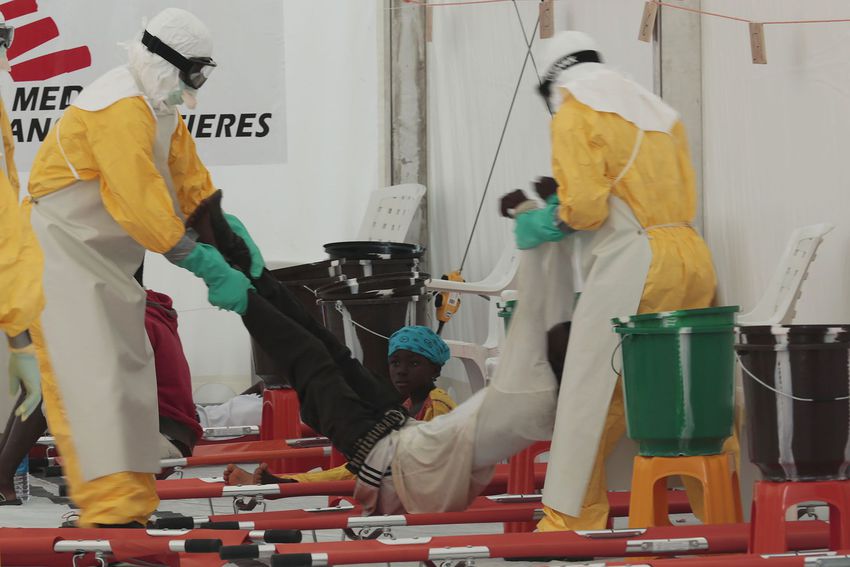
158,79
571,65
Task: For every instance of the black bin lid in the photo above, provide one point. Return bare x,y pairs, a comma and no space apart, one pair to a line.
373,249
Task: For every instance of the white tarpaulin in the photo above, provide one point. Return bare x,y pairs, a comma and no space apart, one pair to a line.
61,46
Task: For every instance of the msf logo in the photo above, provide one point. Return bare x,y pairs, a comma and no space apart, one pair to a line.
33,35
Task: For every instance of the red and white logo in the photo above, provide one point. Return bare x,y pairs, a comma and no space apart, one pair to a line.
60,46
33,35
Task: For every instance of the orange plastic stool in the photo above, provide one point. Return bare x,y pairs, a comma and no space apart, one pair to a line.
281,414
772,499
521,480
282,420
648,503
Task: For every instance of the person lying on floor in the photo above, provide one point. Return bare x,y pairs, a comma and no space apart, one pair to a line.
178,425
245,409
403,465
416,357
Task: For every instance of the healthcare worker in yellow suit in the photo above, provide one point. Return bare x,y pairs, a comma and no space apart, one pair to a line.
625,187
21,267
116,176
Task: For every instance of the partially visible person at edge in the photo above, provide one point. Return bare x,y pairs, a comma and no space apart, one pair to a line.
21,298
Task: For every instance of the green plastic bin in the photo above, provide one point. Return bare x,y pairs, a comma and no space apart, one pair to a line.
678,376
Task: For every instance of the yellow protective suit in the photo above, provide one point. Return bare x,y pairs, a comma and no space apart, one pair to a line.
137,197
440,403
21,261
589,150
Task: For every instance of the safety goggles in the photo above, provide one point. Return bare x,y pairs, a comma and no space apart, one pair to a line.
7,34
194,71
561,65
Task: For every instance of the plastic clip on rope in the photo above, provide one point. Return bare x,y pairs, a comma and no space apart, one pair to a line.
447,303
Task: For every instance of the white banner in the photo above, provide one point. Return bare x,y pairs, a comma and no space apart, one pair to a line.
61,46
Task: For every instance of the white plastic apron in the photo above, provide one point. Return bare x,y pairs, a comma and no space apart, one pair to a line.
614,262
442,465
95,313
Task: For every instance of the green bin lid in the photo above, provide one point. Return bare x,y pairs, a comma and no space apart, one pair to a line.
647,317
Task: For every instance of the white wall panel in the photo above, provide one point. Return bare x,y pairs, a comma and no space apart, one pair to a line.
777,138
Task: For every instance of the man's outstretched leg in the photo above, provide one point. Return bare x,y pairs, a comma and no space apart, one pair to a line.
328,403
212,228
379,392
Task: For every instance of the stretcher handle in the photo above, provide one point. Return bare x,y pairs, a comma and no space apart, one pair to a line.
175,523
244,551
219,526
239,552
292,560
282,536
203,545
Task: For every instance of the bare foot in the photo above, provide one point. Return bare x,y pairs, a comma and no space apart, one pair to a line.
8,493
263,476
234,476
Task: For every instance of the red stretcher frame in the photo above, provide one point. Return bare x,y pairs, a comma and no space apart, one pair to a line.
251,452
805,559
668,540
483,510
197,488
57,547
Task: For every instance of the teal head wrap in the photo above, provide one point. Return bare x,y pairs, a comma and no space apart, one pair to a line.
421,340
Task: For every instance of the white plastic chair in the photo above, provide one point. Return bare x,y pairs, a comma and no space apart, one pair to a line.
777,305
503,277
478,359
390,212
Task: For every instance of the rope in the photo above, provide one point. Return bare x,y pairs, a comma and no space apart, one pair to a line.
775,391
745,20
656,2
365,328
501,139
461,3
702,12
528,45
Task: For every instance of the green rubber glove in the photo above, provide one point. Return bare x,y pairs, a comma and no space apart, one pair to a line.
227,288
24,374
257,262
533,228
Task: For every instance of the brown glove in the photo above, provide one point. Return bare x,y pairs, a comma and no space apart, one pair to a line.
511,201
545,187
